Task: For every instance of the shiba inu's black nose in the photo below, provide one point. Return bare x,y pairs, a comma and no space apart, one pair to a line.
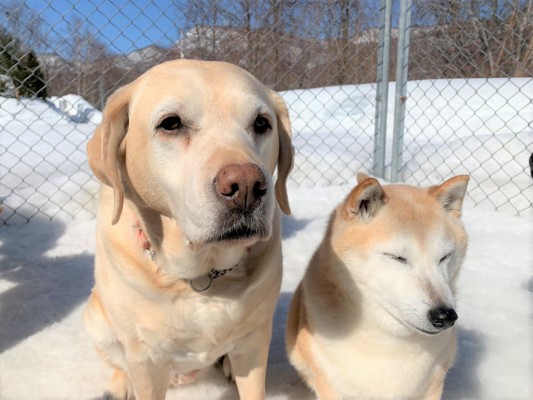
442,318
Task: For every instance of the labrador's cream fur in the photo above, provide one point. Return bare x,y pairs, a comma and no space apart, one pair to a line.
145,319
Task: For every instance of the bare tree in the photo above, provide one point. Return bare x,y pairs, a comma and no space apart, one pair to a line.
89,64
485,38
245,16
204,18
24,23
520,39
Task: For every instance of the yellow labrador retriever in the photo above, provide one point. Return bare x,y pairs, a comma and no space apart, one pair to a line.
188,258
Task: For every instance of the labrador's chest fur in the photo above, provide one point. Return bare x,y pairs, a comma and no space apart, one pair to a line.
193,331
188,330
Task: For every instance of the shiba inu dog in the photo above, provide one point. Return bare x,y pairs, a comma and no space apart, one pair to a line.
373,317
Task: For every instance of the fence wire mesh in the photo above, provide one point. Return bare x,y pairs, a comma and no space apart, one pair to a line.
482,111
60,60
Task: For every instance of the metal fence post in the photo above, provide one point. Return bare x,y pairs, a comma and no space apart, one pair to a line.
101,92
404,26
382,88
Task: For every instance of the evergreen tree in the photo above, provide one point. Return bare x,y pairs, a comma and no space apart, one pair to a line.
21,67
33,83
6,59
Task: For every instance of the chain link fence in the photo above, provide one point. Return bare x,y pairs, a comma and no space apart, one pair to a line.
470,72
468,101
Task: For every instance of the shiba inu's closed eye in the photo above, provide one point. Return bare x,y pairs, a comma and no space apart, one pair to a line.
446,257
395,257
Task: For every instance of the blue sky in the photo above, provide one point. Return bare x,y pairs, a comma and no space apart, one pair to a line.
122,25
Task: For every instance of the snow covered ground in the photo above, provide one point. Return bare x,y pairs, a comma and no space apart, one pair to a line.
46,266
43,165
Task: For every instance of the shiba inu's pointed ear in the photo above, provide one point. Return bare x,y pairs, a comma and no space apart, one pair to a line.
364,200
361,177
104,147
451,194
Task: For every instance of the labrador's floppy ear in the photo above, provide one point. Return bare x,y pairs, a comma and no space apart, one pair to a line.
104,147
285,155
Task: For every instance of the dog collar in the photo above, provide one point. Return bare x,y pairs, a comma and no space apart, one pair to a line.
199,284
214,274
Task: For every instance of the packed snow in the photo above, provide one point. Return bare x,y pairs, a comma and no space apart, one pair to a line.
46,265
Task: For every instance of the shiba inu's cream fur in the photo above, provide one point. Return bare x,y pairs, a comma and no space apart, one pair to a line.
186,155
373,316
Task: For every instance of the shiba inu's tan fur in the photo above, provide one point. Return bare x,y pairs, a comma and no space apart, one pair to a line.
373,316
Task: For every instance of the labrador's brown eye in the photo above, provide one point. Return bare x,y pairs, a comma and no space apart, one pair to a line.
261,124
171,124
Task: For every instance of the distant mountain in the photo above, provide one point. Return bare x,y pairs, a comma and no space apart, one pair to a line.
210,39
200,41
142,59
50,60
